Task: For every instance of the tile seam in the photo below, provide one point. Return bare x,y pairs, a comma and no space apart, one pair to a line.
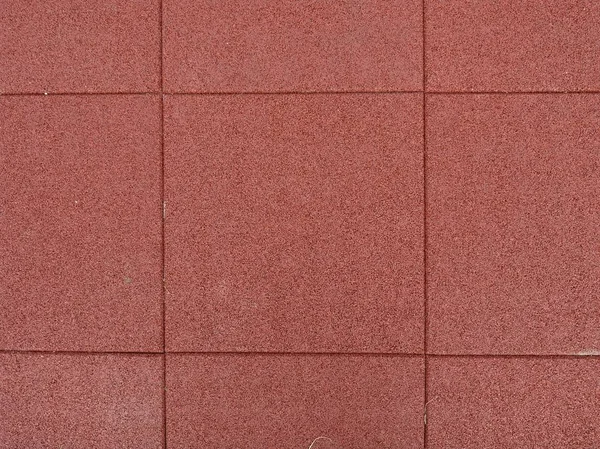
425,304
299,92
74,93
515,92
163,218
391,92
303,354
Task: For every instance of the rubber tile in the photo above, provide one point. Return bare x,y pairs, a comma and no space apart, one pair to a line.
233,401
498,403
294,223
75,400
80,213
513,223
79,46
291,46
512,45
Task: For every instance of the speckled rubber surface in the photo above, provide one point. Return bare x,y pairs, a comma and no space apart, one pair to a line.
299,224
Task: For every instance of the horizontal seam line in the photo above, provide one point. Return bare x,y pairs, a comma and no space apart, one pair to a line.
62,94
525,92
50,94
276,353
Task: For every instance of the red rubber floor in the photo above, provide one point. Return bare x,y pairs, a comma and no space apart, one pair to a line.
299,224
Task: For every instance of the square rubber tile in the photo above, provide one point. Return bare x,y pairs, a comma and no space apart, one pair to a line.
77,401
498,403
516,45
513,223
79,46
294,223
291,46
80,213
331,402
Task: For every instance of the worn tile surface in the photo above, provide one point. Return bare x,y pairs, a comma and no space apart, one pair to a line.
514,223
289,401
294,223
516,45
80,400
497,403
80,250
266,46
